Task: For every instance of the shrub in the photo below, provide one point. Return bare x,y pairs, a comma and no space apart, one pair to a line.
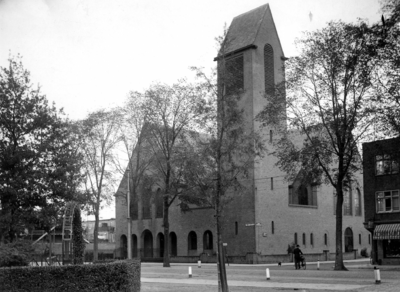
17,253
364,252
121,276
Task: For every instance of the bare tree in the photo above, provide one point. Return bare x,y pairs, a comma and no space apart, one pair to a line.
100,136
228,149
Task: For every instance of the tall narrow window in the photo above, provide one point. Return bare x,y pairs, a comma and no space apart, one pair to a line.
347,200
236,228
326,239
272,183
269,70
272,227
311,239
304,239
369,238
295,238
357,203
359,239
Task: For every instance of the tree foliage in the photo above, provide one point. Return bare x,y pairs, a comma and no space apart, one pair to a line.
387,70
77,237
325,109
172,113
39,164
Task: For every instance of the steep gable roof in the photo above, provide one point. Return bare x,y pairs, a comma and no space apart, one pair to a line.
243,31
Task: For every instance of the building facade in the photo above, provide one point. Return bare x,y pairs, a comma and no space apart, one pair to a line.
381,198
272,213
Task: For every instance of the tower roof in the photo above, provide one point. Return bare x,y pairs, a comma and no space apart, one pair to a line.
244,28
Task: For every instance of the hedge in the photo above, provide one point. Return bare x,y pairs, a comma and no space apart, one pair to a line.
118,276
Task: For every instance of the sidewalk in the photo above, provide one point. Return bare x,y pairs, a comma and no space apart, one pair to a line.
259,284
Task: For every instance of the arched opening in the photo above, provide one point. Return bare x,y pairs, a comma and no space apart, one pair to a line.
123,247
326,239
207,241
173,244
147,239
192,242
348,240
269,70
134,246
160,244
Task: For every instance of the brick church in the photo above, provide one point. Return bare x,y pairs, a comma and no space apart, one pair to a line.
273,213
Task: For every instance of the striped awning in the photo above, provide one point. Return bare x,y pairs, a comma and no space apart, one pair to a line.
387,231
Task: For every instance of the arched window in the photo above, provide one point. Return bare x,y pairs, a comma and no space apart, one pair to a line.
269,70
326,239
348,240
236,228
295,238
272,227
304,239
208,240
192,240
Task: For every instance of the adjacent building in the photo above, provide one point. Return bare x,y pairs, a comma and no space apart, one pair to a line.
381,198
271,214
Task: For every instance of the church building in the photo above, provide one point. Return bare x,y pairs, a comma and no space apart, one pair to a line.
273,214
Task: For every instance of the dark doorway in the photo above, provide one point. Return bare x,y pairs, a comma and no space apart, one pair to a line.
147,244
173,242
160,244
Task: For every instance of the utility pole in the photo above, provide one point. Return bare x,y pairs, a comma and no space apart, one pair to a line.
129,219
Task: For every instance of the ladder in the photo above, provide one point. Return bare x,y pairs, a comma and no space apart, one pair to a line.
67,224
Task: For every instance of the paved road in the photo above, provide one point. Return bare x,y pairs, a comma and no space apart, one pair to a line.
360,277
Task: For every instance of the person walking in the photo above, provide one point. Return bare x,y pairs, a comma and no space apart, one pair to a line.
297,256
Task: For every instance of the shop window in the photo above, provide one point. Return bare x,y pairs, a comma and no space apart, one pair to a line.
391,248
387,201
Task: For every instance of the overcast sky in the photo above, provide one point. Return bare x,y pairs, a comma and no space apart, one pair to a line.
88,54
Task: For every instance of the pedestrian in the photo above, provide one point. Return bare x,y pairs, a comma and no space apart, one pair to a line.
297,256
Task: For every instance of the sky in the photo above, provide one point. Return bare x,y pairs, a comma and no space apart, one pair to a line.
89,54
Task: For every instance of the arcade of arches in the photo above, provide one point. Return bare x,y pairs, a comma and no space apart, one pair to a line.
155,249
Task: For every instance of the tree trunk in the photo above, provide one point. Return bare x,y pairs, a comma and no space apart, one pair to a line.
96,233
166,262
220,258
339,265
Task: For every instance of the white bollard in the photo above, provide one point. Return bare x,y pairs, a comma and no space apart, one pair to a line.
377,276
190,272
317,265
267,272
199,264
